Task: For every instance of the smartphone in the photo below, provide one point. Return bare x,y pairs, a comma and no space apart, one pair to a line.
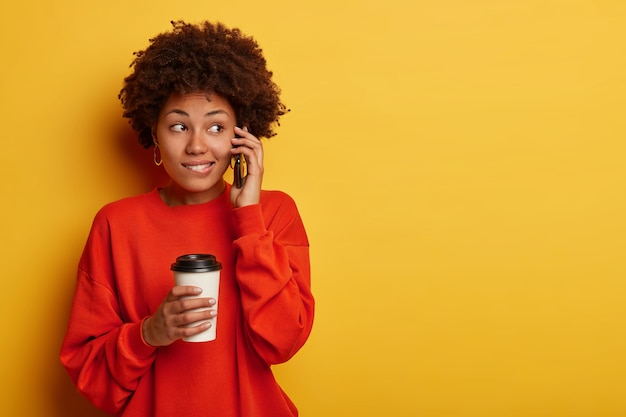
239,169
238,172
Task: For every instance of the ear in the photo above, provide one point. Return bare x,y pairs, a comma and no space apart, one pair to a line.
154,137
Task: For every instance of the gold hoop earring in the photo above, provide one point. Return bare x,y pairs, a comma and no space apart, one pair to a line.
159,162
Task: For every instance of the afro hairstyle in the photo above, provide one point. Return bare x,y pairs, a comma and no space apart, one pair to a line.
204,57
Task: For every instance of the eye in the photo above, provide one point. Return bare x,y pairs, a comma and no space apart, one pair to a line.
216,128
178,127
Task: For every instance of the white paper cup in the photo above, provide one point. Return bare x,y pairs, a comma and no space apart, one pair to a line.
203,271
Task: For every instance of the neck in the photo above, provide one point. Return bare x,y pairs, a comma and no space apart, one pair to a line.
173,195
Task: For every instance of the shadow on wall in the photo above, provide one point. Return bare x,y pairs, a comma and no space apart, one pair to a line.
67,402
140,161
64,399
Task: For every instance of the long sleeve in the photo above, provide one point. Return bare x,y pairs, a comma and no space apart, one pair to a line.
273,273
265,310
103,353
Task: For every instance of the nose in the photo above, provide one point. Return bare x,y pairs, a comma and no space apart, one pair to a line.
197,143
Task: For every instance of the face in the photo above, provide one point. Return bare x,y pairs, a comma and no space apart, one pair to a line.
194,133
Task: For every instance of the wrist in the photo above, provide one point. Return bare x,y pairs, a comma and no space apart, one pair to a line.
146,332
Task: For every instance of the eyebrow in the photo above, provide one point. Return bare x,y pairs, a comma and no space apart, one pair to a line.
184,113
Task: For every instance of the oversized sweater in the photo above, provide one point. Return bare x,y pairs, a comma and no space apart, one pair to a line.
265,309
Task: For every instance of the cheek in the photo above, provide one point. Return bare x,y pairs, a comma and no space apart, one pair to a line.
221,151
169,154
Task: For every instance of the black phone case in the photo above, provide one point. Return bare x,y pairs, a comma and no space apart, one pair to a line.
238,172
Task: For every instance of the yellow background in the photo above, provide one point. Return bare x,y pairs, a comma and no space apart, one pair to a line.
459,166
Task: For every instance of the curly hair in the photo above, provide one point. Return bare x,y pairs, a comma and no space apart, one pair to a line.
203,57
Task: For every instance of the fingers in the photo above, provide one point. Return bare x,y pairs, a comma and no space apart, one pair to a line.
182,314
251,147
182,299
188,316
182,291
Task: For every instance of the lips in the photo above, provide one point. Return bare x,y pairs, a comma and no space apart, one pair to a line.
198,166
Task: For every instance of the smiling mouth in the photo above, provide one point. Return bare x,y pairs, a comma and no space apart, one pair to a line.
198,167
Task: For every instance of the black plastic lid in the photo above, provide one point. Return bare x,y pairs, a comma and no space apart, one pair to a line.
197,262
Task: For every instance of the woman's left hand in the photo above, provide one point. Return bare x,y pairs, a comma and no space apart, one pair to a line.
251,148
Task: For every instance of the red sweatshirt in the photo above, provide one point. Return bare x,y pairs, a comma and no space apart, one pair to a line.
265,310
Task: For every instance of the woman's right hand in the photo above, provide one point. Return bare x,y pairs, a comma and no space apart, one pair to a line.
169,322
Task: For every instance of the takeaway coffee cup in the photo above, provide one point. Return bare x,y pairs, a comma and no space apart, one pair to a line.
203,271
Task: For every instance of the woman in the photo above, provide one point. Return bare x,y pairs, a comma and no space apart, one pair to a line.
201,95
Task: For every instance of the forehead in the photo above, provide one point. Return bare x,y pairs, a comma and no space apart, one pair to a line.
198,100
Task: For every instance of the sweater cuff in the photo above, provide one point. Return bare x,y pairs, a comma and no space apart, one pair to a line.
249,220
136,344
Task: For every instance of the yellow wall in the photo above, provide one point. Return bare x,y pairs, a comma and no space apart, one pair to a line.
459,166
